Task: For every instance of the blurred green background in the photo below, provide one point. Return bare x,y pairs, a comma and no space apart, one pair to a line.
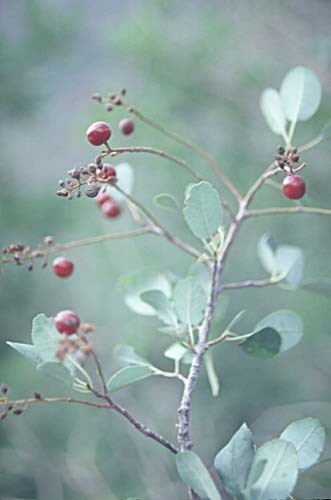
198,68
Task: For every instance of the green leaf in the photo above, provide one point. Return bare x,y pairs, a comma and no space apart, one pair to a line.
301,94
194,474
308,437
175,351
234,461
288,325
166,201
127,355
265,343
274,471
202,276
125,180
27,350
190,301
287,260
203,210
135,284
45,337
128,375
272,109
56,370
211,374
161,305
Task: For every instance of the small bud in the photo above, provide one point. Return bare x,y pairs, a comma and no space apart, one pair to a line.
3,415
30,267
18,411
295,158
9,407
61,183
84,171
78,194
280,150
109,107
4,388
96,97
117,101
123,91
92,190
74,173
48,240
45,264
37,395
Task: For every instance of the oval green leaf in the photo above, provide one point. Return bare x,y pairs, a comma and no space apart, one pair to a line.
190,301
194,474
203,210
166,201
301,94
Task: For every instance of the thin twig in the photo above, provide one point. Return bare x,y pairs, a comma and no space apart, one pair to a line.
251,283
288,210
100,372
157,152
189,144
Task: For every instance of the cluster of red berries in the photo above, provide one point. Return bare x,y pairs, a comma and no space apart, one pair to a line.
109,207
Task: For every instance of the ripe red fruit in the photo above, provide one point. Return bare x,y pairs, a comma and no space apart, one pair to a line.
126,126
67,322
294,187
98,133
107,172
63,267
102,198
110,208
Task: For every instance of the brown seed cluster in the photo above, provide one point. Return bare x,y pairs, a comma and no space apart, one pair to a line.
110,100
286,159
78,347
91,176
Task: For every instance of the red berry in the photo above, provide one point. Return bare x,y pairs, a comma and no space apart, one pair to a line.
294,187
98,133
107,172
102,197
110,209
126,126
63,267
67,322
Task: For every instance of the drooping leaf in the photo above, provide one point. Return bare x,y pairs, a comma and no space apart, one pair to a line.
265,343
211,374
308,437
27,350
161,305
266,250
127,376
301,94
274,471
127,355
290,261
166,201
234,461
56,370
125,180
203,210
190,301
194,474
288,325
135,284
272,109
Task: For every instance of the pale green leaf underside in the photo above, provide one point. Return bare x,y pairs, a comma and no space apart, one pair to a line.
274,471
272,109
190,301
301,94
308,437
